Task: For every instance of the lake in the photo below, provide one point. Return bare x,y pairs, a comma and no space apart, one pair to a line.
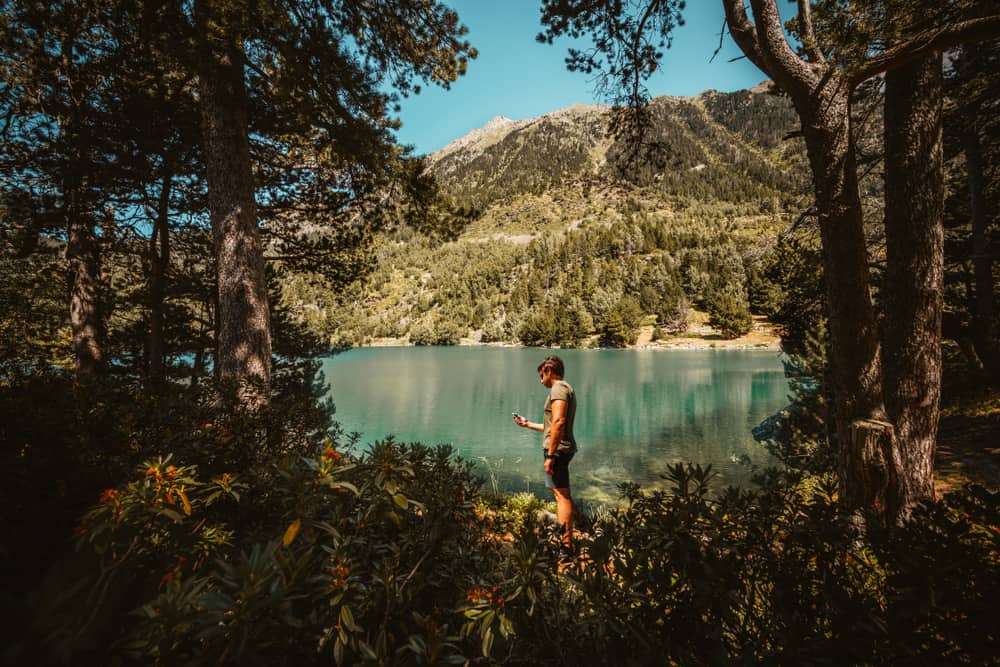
637,410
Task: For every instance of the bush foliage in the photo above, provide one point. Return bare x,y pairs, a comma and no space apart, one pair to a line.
391,556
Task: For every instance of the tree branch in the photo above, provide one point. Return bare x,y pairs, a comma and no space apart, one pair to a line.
744,34
637,83
926,41
809,42
789,68
722,36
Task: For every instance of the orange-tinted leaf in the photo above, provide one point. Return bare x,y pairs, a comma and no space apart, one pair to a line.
291,532
185,502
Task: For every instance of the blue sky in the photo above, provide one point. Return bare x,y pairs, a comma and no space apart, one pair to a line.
514,76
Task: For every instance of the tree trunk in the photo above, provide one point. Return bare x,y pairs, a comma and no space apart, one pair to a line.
84,257
244,331
855,363
86,324
914,279
822,98
982,262
159,263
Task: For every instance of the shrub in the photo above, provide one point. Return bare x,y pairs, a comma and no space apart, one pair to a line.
729,315
559,322
436,331
328,556
383,557
422,333
774,575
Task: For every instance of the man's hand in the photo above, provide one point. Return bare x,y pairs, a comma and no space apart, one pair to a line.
550,466
520,421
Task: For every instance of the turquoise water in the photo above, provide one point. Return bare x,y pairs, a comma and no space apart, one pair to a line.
637,410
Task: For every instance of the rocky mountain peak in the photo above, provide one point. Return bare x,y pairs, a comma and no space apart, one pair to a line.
480,138
497,122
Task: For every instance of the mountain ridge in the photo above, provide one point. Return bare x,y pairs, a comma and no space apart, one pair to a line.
501,121
710,146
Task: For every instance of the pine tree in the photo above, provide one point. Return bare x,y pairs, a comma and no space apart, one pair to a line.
55,58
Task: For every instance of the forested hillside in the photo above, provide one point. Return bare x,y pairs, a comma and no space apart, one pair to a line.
572,237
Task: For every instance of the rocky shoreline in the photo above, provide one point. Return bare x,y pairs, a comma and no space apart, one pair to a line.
700,337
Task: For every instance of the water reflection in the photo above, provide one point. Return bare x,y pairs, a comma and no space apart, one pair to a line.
638,410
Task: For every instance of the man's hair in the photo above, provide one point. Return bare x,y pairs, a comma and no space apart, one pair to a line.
553,362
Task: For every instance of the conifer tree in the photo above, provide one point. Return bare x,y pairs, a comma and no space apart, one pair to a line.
54,60
407,40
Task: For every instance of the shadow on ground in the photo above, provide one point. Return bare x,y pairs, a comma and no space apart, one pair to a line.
968,451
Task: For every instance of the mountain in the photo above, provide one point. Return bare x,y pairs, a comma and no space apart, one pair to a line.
578,236
723,146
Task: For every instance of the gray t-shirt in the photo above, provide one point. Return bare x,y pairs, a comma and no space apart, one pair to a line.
561,391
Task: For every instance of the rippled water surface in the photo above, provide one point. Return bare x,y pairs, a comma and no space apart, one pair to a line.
637,410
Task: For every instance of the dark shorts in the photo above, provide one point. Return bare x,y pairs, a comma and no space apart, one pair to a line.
559,479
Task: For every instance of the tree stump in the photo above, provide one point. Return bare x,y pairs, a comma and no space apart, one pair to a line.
870,468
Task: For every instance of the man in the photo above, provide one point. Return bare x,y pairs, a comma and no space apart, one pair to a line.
558,443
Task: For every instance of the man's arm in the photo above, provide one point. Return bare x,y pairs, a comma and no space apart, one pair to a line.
558,426
556,429
521,421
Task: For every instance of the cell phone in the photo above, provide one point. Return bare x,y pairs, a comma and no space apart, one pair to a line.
515,415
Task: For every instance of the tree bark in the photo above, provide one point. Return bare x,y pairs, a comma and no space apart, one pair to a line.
855,350
83,252
871,461
244,330
914,278
84,257
982,261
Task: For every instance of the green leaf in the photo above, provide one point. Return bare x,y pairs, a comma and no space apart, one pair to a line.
347,617
506,627
486,622
487,641
338,651
367,651
345,485
400,500
177,518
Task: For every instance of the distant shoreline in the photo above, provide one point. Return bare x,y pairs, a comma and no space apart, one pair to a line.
680,344
761,337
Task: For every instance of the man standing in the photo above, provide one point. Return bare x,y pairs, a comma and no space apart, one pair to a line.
558,443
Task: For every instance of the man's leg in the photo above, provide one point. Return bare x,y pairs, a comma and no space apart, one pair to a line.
564,510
